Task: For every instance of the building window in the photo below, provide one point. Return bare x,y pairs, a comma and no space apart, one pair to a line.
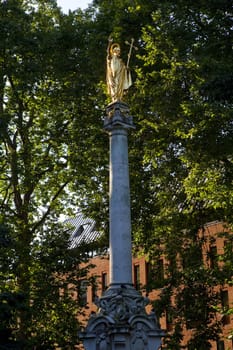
154,275
213,258
191,347
160,270
148,272
83,292
137,277
228,245
225,306
148,277
93,292
104,281
79,231
220,345
168,320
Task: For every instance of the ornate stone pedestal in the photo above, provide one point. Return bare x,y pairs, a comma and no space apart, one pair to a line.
121,322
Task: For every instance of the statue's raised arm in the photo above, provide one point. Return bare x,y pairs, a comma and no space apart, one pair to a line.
118,75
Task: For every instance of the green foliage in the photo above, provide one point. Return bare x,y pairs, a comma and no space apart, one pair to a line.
181,155
41,103
55,276
185,118
54,155
11,301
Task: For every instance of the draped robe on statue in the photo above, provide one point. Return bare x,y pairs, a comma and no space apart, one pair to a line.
118,76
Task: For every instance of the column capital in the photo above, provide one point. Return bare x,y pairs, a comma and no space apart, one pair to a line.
118,115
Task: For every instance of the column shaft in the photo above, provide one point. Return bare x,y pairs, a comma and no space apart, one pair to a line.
120,219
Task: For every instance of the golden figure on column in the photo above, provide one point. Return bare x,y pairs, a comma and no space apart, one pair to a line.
118,74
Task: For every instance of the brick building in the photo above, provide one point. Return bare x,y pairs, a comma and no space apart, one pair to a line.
214,246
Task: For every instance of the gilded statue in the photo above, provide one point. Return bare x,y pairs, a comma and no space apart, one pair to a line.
118,74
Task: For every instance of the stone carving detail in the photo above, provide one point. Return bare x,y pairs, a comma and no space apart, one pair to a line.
102,339
119,109
118,114
122,303
139,339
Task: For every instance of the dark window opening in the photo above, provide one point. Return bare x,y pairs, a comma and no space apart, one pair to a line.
168,321
154,275
137,277
83,292
213,259
220,345
93,292
79,231
104,281
225,305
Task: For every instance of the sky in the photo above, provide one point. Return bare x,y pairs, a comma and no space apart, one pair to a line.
72,5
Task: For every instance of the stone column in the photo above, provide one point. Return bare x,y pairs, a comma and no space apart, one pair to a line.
119,193
121,322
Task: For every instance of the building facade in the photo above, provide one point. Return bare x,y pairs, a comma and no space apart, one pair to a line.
214,246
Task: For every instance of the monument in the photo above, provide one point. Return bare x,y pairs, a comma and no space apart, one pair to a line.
121,322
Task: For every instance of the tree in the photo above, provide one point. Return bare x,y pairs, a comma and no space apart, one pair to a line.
181,158
53,151
187,132
10,300
41,102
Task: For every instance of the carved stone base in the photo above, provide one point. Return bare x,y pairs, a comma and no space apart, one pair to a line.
122,322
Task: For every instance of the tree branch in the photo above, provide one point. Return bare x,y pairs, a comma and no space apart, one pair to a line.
42,220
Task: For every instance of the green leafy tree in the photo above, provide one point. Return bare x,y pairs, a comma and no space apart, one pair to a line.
11,301
181,156
184,84
54,153
42,89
